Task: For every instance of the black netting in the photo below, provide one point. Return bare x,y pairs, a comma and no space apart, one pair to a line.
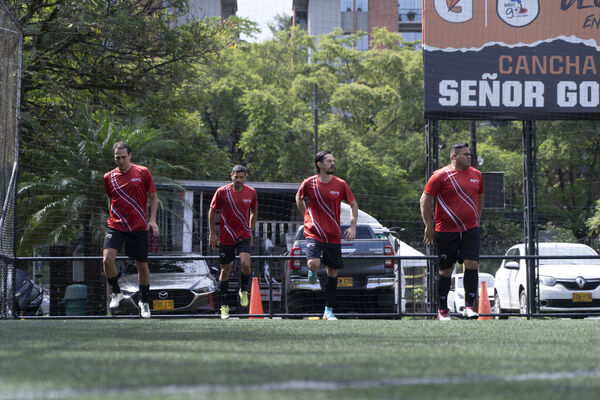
10,78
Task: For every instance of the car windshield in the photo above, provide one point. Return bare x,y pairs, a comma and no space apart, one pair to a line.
172,266
489,281
362,232
574,251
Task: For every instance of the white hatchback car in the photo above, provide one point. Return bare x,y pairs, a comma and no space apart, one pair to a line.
565,285
456,296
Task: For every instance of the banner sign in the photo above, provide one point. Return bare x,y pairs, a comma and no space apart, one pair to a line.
511,59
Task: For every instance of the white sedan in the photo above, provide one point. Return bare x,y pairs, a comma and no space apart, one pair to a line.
565,285
456,296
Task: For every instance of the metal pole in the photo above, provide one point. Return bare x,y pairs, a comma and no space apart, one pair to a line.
530,214
432,155
9,194
398,292
316,118
473,144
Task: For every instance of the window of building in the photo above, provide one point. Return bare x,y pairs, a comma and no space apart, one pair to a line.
409,11
301,17
348,5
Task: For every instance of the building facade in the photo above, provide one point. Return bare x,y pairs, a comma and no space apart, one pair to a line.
202,9
320,17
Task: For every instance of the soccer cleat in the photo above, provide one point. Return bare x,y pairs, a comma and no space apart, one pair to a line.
144,309
469,313
243,298
312,277
328,315
444,315
115,299
224,312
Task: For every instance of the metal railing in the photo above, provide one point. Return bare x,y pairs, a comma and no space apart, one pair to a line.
398,314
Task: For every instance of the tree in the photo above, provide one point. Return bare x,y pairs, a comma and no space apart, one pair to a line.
69,205
126,57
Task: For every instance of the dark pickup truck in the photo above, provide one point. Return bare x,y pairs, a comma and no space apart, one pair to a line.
364,285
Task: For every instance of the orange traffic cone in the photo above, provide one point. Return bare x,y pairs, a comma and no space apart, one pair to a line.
255,300
484,302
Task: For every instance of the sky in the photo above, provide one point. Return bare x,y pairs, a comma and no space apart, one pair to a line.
263,11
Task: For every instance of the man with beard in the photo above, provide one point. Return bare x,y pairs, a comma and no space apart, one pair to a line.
128,188
238,209
324,193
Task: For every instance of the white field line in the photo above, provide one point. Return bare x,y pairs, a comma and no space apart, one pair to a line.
296,385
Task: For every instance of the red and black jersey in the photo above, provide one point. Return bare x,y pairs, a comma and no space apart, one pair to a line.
322,217
128,194
457,198
234,213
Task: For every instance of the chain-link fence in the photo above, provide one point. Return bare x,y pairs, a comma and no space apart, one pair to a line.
10,81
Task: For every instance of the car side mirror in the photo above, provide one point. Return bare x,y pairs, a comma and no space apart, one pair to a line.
512,265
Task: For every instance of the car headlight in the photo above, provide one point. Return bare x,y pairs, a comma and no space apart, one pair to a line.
547,280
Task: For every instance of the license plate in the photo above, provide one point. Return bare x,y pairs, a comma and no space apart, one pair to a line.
345,281
582,297
163,305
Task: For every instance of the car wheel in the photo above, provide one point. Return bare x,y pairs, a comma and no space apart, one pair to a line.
497,307
523,302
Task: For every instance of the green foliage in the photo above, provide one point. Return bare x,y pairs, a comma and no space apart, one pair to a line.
208,100
593,223
96,72
66,198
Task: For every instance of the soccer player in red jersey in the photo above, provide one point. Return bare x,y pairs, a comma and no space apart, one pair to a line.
458,190
128,188
238,209
324,193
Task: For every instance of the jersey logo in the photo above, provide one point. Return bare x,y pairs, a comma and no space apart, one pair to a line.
518,13
334,193
247,201
455,11
474,180
136,179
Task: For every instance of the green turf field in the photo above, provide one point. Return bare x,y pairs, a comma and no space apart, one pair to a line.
293,359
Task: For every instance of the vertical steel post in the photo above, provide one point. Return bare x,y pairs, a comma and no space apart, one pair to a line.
473,145
530,214
431,157
316,119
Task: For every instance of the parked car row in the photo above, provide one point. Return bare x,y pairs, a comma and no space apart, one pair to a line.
565,284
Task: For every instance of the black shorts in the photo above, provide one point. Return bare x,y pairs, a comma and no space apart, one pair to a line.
457,246
227,251
136,243
329,253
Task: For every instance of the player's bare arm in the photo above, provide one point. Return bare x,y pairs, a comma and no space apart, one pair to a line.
301,204
425,204
253,219
152,225
212,234
350,233
480,206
